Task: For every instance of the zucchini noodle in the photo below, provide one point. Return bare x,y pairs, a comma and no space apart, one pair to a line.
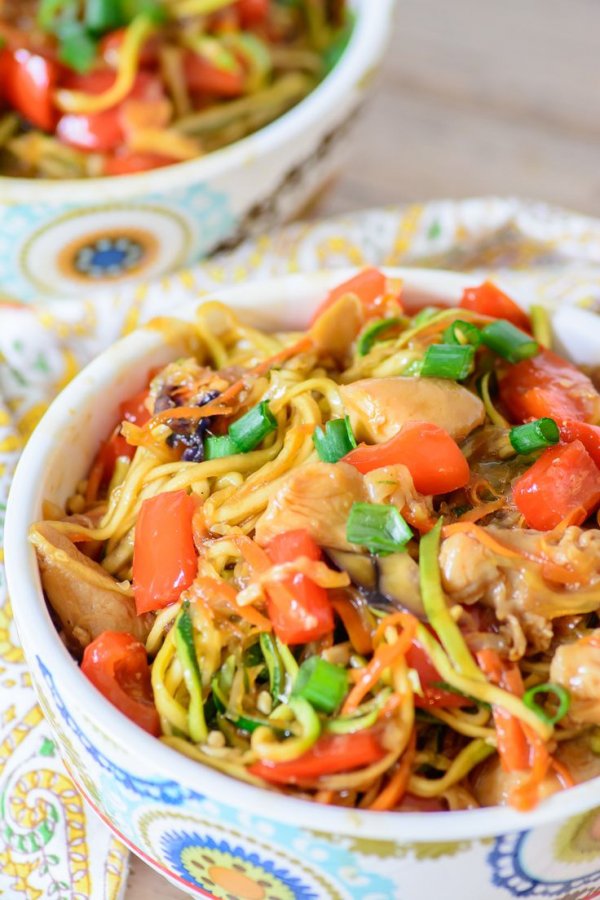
317,613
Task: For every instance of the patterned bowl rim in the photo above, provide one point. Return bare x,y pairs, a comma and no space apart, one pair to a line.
299,294
366,46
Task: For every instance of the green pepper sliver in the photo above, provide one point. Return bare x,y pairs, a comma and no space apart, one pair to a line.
186,651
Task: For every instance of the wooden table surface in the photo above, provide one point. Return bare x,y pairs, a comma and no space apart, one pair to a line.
476,98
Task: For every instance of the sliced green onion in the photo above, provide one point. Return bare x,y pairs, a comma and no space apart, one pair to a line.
534,435
104,15
253,427
508,341
459,332
216,447
373,331
152,9
335,441
453,361
274,665
561,694
541,325
378,527
50,10
436,606
322,683
424,315
186,651
77,49
413,368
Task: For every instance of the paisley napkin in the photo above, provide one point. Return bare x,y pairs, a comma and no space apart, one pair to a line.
50,845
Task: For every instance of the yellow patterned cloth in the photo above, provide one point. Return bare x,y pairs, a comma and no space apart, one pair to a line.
50,847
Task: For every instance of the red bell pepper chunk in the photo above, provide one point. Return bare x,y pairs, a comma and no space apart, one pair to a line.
252,12
548,385
203,77
431,455
563,483
589,435
117,665
103,132
127,163
164,556
430,678
29,83
369,285
299,609
331,754
134,409
489,300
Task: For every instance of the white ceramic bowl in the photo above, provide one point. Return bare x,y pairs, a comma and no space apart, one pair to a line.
213,835
73,237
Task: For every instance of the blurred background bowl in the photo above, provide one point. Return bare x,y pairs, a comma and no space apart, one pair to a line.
210,834
69,238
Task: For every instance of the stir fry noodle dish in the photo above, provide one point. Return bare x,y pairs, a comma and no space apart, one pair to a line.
110,87
360,564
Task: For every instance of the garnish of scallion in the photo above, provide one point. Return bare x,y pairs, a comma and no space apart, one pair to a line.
335,441
379,528
322,683
459,332
534,435
248,431
451,361
218,446
562,695
372,333
508,341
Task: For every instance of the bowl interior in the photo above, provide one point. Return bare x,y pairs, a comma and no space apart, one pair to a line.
60,452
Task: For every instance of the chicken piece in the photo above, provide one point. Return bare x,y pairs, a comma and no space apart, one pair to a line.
492,786
84,597
378,407
337,327
576,666
394,485
317,497
516,588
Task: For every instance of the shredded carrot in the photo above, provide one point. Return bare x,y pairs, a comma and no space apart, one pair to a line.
551,571
220,590
221,405
526,795
513,747
360,636
384,657
475,531
563,773
395,789
484,509
94,481
325,796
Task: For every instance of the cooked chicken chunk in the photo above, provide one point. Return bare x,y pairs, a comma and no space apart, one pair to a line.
492,785
394,485
518,588
378,407
83,596
317,497
576,667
